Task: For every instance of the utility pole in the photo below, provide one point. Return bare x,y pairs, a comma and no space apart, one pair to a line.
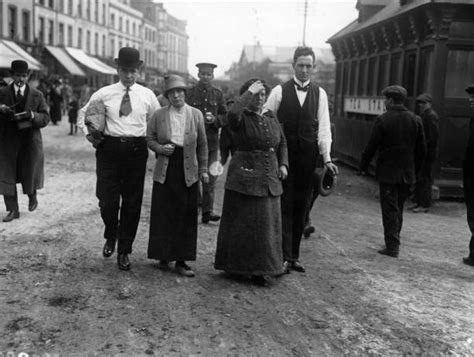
304,22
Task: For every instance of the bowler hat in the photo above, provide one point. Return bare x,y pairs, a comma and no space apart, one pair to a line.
128,57
327,181
19,66
174,82
424,98
206,66
395,91
470,89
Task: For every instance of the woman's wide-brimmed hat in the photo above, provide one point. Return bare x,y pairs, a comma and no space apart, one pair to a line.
327,181
174,82
128,57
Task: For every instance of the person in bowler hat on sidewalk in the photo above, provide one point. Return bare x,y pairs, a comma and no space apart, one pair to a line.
397,136
122,154
23,112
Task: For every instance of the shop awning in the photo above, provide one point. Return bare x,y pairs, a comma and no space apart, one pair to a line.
90,62
10,51
66,61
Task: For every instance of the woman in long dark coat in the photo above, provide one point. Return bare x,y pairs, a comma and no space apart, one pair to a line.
249,239
177,135
55,100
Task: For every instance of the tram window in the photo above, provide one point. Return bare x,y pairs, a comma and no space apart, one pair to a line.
353,78
395,68
345,84
383,74
425,76
409,73
362,77
458,74
372,76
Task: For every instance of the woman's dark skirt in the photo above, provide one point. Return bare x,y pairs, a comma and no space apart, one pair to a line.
249,239
173,217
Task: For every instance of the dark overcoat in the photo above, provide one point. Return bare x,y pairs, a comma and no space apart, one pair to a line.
21,151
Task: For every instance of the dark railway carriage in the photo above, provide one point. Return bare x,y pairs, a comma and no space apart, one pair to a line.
424,45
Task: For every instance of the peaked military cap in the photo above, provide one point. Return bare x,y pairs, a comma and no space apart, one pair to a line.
395,91
206,65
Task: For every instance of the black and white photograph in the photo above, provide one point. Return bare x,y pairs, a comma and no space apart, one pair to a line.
236,178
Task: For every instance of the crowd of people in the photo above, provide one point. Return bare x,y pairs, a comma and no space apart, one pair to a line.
275,139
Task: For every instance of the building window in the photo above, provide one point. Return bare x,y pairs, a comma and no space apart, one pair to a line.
134,29
96,44
69,36
361,80
88,41
26,25
61,34
69,7
51,4
425,75
409,73
112,20
127,27
103,46
120,23
88,10
395,64
383,74
372,76
51,32
79,37
41,2
456,74
41,29
112,47
12,21
96,11
104,13
61,5
79,9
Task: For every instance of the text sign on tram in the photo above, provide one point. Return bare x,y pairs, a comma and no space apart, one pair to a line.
364,105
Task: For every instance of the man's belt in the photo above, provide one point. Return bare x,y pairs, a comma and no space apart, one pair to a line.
124,139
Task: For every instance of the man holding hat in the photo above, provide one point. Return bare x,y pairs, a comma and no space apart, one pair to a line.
23,112
122,154
424,181
210,101
302,108
398,137
468,178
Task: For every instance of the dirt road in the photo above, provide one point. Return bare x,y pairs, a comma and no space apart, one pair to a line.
58,295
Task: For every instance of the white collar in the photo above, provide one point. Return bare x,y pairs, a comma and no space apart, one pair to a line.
22,89
299,82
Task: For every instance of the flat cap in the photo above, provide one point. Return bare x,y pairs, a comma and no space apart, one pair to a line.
206,65
470,89
395,91
424,98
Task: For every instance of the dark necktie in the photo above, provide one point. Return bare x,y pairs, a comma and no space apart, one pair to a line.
125,106
304,89
19,96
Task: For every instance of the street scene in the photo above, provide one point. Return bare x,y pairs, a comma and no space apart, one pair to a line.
236,178
60,296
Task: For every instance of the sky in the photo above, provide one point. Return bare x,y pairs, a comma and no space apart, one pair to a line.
218,30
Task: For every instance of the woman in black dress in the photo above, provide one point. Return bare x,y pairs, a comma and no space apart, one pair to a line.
177,135
249,239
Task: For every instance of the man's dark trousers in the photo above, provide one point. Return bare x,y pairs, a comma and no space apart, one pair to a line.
294,202
468,183
121,167
392,199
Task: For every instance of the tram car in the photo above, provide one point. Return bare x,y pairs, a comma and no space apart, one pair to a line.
427,46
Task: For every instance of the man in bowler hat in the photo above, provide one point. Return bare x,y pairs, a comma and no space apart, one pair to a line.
210,101
23,112
425,179
468,178
122,154
397,136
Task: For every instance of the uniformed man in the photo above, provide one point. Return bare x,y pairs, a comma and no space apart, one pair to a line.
210,101
468,178
398,137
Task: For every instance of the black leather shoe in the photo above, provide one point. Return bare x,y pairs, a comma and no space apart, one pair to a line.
109,248
11,216
33,203
286,267
123,262
308,230
209,216
297,266
390,253
468,261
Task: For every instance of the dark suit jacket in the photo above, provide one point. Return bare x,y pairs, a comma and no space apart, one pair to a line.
21,151
398,138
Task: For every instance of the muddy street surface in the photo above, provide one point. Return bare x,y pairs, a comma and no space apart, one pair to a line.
59,296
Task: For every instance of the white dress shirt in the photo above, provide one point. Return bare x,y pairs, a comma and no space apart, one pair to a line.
324,129
143,102
22,90
178,122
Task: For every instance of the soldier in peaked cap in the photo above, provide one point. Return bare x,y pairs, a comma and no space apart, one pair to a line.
468,178
210,101
23,112
398,137
121,155
425,179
